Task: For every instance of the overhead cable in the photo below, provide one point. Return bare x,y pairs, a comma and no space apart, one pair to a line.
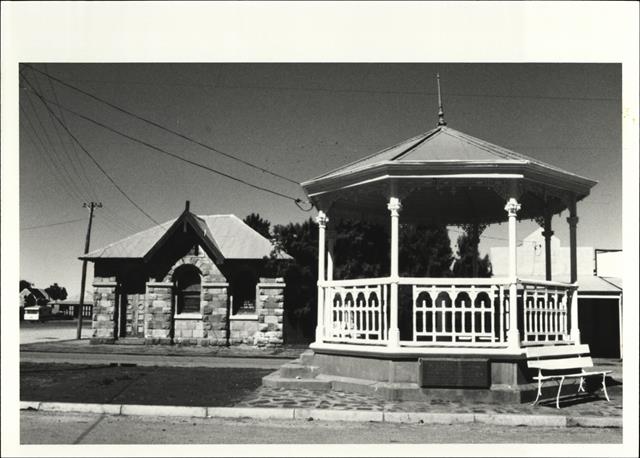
46,105
160,126
168,153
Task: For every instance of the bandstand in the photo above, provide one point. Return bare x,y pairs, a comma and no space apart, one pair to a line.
457,336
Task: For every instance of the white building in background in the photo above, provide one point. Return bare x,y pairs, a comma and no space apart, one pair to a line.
609,263
531,260
599,280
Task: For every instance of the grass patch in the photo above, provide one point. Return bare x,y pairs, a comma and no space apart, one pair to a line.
105,384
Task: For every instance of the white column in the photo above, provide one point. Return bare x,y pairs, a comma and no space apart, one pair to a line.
573,246
620,323
547,233
331,242
513,335
322,221
394,332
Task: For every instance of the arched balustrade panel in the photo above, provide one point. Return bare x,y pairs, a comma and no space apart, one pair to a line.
458,315
357,313
545,309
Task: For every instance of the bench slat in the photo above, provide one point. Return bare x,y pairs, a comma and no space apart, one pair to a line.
557,350
561,363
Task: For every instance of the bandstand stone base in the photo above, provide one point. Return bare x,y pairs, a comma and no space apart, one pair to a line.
396,377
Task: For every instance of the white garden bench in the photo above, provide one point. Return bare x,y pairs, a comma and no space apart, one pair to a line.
560,362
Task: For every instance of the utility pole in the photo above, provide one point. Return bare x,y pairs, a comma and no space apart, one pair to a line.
91,206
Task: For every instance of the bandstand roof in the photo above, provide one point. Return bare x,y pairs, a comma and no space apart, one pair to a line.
445,175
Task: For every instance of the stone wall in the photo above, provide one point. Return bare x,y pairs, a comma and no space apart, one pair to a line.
158,316
104,310
209,326
214,313
270,310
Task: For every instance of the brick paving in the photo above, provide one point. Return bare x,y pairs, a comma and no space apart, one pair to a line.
303,398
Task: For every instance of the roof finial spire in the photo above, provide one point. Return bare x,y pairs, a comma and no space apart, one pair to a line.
441,121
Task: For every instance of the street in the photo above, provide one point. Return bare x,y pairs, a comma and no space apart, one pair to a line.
150,360
71,428
52,330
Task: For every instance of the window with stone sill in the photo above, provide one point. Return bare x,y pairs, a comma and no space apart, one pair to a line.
243,293
187,289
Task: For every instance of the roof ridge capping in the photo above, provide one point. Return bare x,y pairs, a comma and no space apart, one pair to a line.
415,140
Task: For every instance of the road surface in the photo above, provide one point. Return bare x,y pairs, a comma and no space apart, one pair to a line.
150,360
73,428
52,331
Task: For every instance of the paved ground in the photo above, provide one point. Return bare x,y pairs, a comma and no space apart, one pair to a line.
278,397
57,428
151,360
52,331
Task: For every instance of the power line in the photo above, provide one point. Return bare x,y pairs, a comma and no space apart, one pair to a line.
53,166
74,149
51,225
59,165
89,154
66,158
346,90
168,153
159,126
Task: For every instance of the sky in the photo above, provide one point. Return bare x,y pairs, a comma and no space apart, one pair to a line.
299,121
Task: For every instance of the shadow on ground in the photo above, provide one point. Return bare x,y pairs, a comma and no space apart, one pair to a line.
197,386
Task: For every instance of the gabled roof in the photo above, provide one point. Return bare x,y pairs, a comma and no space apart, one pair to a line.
199,226
448,148
230,236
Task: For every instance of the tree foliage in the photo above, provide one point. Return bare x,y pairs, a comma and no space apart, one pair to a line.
425,251
468,262
300,241
260,225
56,292
361,250
25,284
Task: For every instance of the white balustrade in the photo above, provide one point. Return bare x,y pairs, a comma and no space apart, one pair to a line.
356,311
447,312
545,309
464,312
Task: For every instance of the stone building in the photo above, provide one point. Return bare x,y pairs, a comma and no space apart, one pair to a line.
197,280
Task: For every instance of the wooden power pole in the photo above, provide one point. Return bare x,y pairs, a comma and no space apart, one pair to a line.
91,206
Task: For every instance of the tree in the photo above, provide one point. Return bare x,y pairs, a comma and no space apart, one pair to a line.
56,293
25,284
468,262
260,225
425,251
300,241
361,250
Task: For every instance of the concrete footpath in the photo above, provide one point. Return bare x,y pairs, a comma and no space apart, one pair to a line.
328,415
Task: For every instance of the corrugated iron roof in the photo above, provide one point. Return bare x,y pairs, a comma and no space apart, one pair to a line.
589,284
440,144
235,239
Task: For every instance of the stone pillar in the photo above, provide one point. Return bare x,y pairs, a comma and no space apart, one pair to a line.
573,244
394,207
104,310
159,317
513,335
214,305
547,233
270,313
322,221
